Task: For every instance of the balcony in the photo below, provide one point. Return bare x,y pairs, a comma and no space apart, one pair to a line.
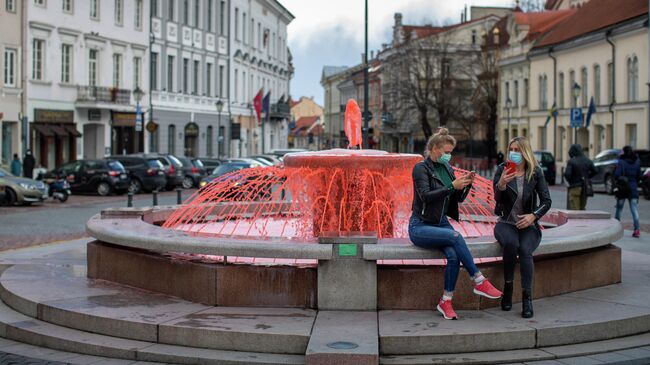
280,110
100,94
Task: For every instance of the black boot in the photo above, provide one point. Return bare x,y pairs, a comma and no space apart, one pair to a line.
506,299
527,304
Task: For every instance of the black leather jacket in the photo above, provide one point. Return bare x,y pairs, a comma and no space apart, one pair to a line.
532,189
430,196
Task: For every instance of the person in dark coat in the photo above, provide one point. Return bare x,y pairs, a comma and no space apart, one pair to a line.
628,174
500,158
28,164
16,166
578,171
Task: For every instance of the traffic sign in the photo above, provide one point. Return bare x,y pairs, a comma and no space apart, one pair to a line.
576,117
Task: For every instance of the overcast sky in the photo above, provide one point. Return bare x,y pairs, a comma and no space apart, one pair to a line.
330,32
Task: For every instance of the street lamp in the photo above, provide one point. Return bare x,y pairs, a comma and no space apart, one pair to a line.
138,94
576,93
219,105
508,106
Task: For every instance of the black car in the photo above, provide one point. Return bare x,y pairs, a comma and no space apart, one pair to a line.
210,163
547,163
193,172
147,174
606,163
173,168
103,177
271,160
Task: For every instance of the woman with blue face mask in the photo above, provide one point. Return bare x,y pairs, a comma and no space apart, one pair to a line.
516,192
436,195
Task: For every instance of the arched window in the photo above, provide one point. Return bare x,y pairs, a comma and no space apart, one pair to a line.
597,84
632,79
171,139
585,87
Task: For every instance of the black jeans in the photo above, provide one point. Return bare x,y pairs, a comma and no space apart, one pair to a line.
518,242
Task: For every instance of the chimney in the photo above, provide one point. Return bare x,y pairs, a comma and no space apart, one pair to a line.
465,12
398,19
372,55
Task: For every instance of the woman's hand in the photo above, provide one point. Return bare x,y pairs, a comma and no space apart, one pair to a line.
462,182
525,220
505,179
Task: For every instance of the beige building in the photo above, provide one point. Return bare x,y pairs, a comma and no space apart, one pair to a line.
334,109
11,86
305,107
603,50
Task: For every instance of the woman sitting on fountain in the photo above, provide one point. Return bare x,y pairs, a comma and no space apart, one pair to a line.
436,196
516,191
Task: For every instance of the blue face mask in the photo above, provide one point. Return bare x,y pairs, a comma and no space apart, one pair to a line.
515,157
445,158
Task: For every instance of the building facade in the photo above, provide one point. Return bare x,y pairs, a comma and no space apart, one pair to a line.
188,72
334,108
260,61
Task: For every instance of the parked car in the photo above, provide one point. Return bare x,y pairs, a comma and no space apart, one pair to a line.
146,174
645,184
606,163
210,163
233,190
173,168
2,194
272,159
193,172
229,166
281,152
21,190
103,176
547,163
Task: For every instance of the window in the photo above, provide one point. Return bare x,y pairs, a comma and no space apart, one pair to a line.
195,82
10,67
154,71
119,12
171,139
545,93
474,36
632,79
117,69
243,28
222,18
66,63
236,85
221,76
137,22
209,141
170,10
610,83
585,87
186,12
154,8
526,91
259,35
137,71
93,67
515,92
197,13
210,15
66,6
243,86
186,76
39,3
237,23
220,137
597,84
252,32
561,91
506,93
572,81
37,59
170,73
630,135
208,79
94,9
10,6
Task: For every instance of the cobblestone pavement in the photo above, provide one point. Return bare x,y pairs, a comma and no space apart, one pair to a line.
11,359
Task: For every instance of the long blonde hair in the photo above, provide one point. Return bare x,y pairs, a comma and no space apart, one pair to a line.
527,154
438,139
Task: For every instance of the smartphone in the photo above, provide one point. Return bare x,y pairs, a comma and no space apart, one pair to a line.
510,167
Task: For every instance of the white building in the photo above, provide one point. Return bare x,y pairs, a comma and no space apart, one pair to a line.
84,60
260,60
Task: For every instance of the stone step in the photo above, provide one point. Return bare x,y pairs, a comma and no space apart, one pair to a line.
19,327
58,295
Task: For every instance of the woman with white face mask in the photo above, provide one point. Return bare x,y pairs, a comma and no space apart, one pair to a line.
436,195
517,185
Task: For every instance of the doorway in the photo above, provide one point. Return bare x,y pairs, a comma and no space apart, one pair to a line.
191,140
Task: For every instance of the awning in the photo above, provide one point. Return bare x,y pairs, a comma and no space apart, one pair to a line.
58,130
72,130
43,129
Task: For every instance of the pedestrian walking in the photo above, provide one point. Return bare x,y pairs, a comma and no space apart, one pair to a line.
16,166
627,175
436,195
28,164
579,171
516,190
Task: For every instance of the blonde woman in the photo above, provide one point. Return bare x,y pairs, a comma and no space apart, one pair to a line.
436,195
518,183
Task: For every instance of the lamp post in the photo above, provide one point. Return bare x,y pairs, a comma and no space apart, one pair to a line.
576,93
508,106
219,106
138,94
366,112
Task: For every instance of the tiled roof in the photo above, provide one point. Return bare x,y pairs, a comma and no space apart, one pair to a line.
304,124
550,4
592,16
541,22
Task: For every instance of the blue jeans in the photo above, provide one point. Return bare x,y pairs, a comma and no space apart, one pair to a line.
634,209
443,237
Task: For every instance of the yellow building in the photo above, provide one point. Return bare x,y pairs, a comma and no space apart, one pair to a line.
305,107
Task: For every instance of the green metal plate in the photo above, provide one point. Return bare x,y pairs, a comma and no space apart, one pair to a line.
347,249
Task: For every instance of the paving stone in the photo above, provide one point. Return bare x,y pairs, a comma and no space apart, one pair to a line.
189,355
356,328
426,332
544,362
491,357
610,357
580,360
636,353
588,348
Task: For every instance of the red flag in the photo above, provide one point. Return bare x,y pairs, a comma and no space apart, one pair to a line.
257,104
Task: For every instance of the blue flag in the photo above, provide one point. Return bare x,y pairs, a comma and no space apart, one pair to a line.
590,112
266,104
552,113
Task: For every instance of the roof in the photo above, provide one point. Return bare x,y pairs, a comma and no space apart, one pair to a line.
305,125
541,22
550,4
331,70
592,16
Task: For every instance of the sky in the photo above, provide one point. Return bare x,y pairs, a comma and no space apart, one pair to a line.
330,32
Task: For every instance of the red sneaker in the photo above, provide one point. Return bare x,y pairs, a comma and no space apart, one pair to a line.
446,309
487,290
636,233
